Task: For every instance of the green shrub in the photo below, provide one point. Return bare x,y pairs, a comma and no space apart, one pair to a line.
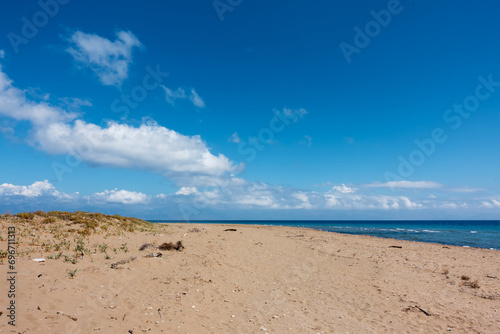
49,220
26,215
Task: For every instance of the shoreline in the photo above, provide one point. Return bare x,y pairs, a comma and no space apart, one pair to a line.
260,278
325,230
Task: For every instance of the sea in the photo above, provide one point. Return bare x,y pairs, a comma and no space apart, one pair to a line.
466,233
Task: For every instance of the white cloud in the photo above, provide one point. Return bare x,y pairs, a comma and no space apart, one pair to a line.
492,203
452,205
235,138
179,93
264,201
122,196
293,114
36,189
196,99
109,60
431,196
149,146
187,191
74,103
171,95
236,194
14,104
2,54
369,202
467,190
406,185
343,189
304,199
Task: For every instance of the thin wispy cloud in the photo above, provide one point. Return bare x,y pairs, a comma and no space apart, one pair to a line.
466,190
74,103
307,140
180,94
196,99
109,60
406,185
171,95
235,138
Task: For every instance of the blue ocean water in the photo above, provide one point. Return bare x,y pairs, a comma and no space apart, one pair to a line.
470,233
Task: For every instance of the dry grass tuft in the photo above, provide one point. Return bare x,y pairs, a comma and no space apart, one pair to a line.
473,285
170,246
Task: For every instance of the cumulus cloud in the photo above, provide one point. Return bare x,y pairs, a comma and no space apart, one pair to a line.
304,200
343,189
187,191
406,185
235,138
172,95
38,188
237,194
122,196
369,202
148,146
110,60
14,104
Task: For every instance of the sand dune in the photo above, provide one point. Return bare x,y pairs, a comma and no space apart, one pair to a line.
256,279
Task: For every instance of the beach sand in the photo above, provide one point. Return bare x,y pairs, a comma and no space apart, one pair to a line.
257,279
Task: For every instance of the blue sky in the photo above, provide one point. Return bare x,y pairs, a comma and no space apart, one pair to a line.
250,109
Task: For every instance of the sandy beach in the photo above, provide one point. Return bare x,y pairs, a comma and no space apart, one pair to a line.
241,279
